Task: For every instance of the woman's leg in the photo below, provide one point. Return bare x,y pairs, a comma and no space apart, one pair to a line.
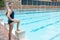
10,30
18,22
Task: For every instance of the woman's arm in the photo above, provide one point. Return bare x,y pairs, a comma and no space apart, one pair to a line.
8,15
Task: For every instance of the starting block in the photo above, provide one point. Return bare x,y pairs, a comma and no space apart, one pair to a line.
20,34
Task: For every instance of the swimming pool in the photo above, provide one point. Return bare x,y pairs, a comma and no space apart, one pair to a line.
38,25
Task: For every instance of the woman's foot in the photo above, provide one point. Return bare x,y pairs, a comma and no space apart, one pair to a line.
18,29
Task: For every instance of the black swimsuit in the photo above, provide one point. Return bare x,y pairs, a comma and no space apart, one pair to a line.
12,16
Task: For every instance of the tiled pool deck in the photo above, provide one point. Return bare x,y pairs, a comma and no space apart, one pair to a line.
4,34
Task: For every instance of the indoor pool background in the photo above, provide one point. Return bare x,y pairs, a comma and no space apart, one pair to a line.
39,25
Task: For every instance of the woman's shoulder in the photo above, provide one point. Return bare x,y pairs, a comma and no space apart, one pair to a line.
8,9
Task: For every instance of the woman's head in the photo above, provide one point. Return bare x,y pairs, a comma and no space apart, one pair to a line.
10,4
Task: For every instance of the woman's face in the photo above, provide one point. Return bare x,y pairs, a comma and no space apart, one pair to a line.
10,5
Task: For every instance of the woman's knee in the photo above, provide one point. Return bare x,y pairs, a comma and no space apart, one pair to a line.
18,21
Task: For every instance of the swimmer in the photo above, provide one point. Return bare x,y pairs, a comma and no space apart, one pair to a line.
11,20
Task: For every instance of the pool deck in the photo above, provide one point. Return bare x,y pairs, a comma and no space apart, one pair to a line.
4,34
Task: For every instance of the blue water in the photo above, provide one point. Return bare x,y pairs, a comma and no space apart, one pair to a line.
38,25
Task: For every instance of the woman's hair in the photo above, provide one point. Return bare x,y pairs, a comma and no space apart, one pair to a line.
10,3
6,13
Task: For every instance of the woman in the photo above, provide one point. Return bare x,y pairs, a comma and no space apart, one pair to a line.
11,20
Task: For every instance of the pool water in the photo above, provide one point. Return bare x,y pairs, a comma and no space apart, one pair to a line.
38,25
